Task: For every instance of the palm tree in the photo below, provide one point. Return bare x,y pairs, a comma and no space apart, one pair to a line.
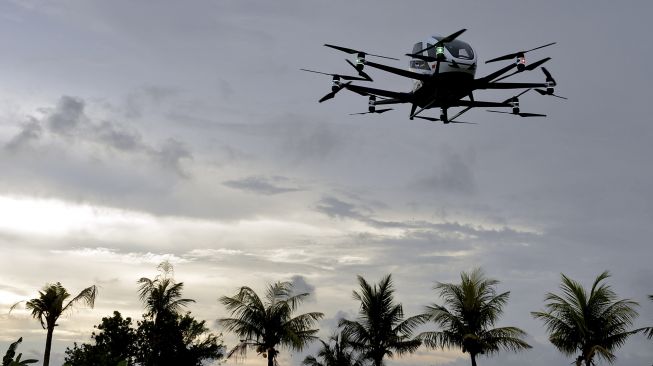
266,325
593,324
8,359
162,295
49,306
648,331
336,352
468,315
380,329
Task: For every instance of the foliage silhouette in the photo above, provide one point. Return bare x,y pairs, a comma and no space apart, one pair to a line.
114,342
49,306
380,329
165,337
468,315
592,324
9,360
267,325
177,340
162,295
337,351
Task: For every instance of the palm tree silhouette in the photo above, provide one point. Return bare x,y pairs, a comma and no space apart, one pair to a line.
162,295
267,325
337,351
593,324
49,306
380,329
468,315
648,331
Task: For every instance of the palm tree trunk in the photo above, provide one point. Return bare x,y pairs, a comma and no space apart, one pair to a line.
271,355
473,356
48,346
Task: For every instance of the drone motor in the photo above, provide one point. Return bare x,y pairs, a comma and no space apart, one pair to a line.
371,104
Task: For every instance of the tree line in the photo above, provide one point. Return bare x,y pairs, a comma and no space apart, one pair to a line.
587,325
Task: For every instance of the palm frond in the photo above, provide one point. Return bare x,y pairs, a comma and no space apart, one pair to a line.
87,296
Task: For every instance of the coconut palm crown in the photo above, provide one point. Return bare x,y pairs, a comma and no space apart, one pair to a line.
265,325
162,296
589,325
51,304
468,315
380,329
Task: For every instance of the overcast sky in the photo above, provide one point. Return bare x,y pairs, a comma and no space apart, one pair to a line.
134,132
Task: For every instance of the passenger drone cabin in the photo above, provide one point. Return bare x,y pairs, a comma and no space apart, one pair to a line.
456,57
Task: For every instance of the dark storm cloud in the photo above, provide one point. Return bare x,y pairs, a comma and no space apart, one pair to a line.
262,185
68,121
67,117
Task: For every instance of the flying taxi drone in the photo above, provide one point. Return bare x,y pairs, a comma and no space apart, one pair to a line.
443,70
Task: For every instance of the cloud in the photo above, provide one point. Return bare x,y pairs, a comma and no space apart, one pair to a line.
30,131
68,125
171,155
261,185
118,137
336,208
67,117
301,286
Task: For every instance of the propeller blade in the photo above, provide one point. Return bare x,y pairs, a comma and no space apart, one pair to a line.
469,123
333,93
517,54
516,96
376,111
327,97
452,36
444,40
361,72
534,65
344,77
537,48
460,113
548,76
432,119
520,114
543,92
531,115
352,51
